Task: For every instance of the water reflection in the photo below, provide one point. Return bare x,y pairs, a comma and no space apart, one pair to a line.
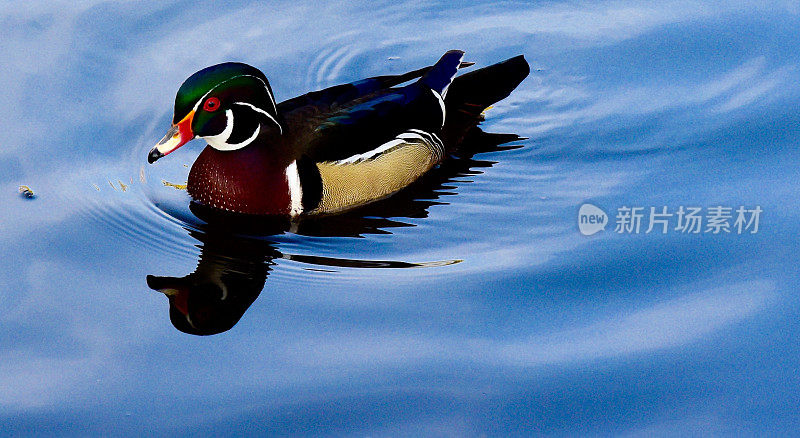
237,255
229,276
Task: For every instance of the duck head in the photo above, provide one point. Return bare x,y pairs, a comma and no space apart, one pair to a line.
229,105
203,305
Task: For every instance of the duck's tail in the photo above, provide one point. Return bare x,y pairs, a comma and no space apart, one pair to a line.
475,91
441,75
470,94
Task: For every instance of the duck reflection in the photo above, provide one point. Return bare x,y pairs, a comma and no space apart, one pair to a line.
236,254
229,276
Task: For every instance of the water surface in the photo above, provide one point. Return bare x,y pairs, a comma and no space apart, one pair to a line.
468,305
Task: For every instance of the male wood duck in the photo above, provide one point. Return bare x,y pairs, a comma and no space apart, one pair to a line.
331,150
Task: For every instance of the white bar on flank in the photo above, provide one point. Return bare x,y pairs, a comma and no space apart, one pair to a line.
295,190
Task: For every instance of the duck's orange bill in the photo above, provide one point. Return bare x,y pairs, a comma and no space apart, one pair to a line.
178,135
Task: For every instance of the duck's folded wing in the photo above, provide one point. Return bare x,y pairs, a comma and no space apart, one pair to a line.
339,95
377,173
368,123
361,124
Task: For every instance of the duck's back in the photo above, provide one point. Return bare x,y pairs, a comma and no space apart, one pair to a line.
377,143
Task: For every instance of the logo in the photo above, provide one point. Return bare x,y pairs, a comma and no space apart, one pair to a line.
591,219
685,219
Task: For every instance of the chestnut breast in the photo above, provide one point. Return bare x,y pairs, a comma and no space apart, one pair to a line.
249,180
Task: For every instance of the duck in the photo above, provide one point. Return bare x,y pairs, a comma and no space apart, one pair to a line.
231,273
236,253
331,150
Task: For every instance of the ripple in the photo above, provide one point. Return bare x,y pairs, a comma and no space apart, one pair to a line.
398,233
151,211
329,62
139,221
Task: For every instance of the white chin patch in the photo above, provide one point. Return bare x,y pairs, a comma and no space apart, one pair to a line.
220,141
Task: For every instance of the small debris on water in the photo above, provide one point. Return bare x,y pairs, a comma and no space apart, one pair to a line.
122,186
393,58
96,187
173,185
26,192
141,174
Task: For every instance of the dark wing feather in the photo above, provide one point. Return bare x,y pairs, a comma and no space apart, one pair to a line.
365,124
305,117
344,93
359,117
341,94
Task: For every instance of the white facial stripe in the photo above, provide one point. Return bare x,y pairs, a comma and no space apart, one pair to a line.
259,110
220,141
295,190
234,146
271,97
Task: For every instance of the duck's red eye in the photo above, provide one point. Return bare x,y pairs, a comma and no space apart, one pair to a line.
211,104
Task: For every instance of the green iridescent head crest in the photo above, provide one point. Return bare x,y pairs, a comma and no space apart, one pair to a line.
215,77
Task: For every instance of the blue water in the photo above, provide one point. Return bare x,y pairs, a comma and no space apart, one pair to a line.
514,324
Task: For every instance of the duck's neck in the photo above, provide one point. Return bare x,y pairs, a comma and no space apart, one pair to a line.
252,180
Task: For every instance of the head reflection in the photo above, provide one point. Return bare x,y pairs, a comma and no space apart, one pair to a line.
236,254
229,276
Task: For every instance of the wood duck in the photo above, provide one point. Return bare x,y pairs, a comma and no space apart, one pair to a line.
330,150
233,267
